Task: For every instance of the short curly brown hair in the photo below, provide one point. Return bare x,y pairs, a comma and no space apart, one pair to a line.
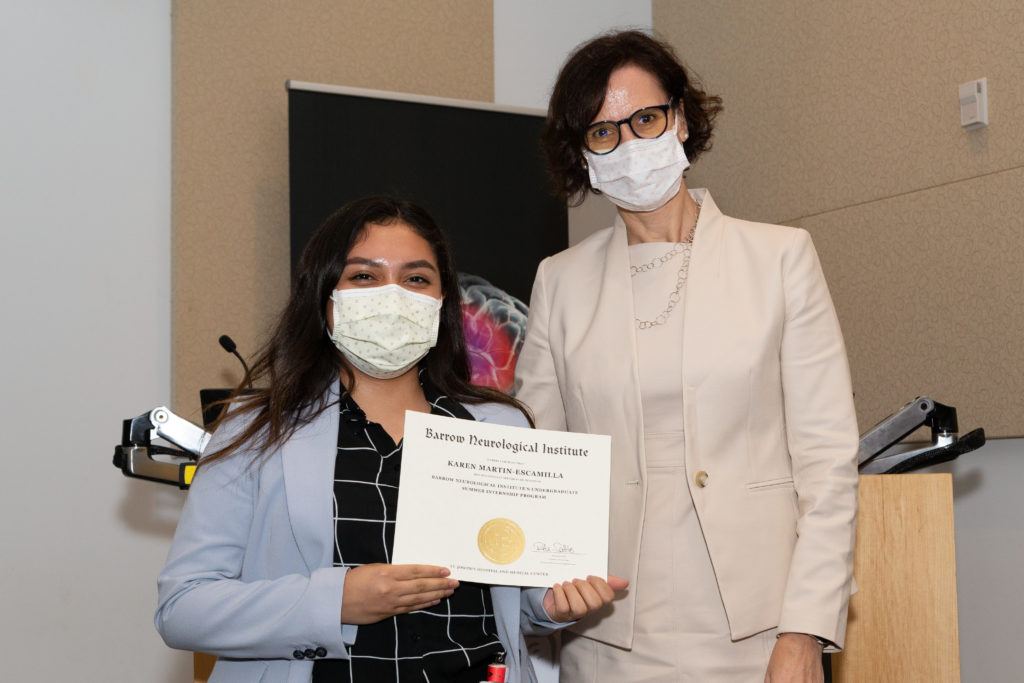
580,89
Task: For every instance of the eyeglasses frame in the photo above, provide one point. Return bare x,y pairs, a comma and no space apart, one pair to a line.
665,108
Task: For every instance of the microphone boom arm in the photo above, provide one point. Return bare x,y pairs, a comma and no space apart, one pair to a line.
135,455
946,444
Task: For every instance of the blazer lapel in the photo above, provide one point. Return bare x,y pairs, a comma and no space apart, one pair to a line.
700,294
308,463
612,339
611,336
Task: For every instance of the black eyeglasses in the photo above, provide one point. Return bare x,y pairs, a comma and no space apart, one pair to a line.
604,136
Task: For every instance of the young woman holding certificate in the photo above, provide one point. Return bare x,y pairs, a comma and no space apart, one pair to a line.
281,561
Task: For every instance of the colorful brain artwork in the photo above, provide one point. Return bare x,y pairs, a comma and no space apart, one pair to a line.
495,326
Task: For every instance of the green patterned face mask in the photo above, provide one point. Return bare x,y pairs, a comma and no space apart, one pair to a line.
384,331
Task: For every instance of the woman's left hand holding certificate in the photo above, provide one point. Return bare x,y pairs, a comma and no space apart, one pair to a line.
572,600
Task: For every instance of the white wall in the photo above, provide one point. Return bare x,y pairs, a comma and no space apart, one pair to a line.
85,289
989,527
532,38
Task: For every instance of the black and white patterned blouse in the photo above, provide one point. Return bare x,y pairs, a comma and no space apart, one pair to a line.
452,641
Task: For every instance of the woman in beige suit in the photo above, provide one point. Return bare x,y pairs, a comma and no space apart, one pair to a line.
709,349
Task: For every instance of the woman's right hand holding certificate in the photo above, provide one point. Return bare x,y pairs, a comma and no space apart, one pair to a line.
374,592
572,600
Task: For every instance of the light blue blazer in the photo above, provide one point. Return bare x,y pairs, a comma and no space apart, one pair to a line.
249,576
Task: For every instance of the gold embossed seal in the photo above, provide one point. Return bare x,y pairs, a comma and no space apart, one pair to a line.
501,540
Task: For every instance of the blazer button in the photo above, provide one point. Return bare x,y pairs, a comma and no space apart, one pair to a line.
321,651
298,654
310,653
701,478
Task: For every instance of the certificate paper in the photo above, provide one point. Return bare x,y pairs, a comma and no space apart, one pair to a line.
502,505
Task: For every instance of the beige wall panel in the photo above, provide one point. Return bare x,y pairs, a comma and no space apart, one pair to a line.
928,287
230,154
829,104
843,118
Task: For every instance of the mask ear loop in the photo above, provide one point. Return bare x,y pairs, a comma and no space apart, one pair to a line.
677,114
327,323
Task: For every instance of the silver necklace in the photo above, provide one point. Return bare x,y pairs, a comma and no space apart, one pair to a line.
684,248
677,248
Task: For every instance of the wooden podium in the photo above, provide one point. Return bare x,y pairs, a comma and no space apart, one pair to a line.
903,621
203,667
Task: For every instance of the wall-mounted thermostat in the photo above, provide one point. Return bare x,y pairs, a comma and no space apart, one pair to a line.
974,104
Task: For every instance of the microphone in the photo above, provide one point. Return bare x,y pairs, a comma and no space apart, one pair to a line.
228,344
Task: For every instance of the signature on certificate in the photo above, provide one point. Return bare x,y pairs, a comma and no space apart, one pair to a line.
542,547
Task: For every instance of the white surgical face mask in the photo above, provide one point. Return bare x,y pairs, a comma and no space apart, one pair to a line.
642,174
384,331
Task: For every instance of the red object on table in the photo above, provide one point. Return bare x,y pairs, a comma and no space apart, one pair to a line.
496,672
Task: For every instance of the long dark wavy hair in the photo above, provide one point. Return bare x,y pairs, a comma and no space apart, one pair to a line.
295,369
579,92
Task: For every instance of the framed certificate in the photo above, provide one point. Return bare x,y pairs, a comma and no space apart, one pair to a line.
502,505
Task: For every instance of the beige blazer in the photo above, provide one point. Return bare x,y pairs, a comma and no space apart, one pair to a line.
770,429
